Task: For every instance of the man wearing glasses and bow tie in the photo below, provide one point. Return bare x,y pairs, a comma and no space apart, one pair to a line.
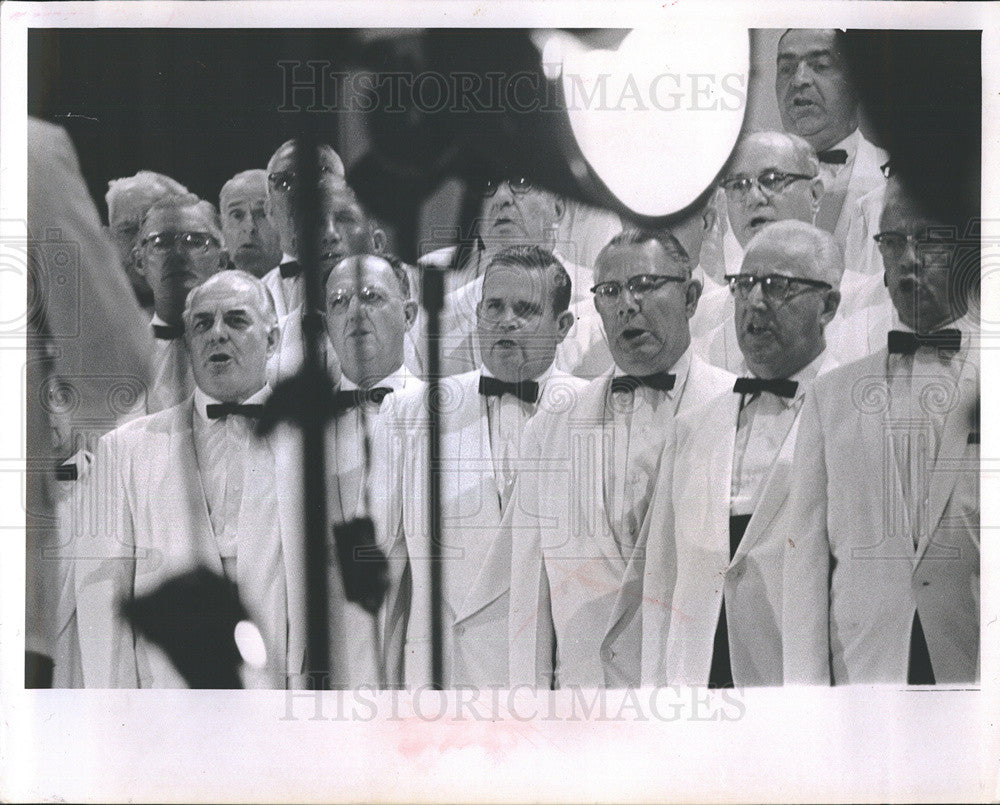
521,319
589,468
179,247
192,486
712,602
882,570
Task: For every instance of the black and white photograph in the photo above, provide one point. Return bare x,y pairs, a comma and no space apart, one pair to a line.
498,402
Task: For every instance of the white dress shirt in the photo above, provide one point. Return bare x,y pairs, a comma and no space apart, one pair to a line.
172,379
762,427
635,428
238,478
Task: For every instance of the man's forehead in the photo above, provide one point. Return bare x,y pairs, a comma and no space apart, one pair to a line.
284,160
183,219
757,155
900,213
225,297
512,281
638,258
800,42
244,195
791,257
372,271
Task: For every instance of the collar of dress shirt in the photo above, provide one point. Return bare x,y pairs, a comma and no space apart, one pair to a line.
202,401
286,258
397,381
158,321
680,370
541,380
849,144
806,375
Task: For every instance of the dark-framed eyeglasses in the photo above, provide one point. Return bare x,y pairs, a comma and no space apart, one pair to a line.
606,293
191,242
338,301
519,185
934,246
771,181
285,181
776,287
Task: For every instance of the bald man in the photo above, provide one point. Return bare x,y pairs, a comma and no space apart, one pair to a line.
250,239
712,599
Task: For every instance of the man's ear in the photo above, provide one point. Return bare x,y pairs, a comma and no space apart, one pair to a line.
831,301
816,190
564,321
410,312
379,240
273,338
709,217
140,269
692,293
560,207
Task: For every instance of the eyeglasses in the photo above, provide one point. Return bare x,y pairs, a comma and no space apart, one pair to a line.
606,293
773,181
926,244
519,185
190,242
340,300
775,287
284,181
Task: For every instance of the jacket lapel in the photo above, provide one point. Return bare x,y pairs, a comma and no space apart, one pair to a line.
184,471
954,438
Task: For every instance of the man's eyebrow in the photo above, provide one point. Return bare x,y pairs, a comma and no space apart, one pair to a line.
809,54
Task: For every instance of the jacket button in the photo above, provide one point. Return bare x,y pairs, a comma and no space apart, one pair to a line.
926,583
459,631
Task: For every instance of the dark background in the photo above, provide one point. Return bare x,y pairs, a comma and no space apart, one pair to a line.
202,105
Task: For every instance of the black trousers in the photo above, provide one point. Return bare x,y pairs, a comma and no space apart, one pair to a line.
721,673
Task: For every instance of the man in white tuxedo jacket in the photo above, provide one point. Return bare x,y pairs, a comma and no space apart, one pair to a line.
711,612
188,487
284,280
882,573
588,470
179,247
817,101
522,317
369,312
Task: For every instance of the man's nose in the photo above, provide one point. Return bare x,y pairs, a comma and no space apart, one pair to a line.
755,194
218,331
803,75
627,302
330,230
756,296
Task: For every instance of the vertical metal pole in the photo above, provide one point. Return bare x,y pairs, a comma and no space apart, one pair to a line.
307,210
432,287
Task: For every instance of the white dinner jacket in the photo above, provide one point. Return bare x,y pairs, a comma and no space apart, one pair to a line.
148,522
477,558
687,553
568,611
851,583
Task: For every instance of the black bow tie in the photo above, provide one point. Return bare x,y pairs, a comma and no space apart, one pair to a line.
290,269
219,410
348,399
526,390
168,332
835,156
755,385
661,381
904,343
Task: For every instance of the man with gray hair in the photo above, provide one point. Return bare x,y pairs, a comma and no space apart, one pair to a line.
179,247
193,487
712,594
128,199
250,239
